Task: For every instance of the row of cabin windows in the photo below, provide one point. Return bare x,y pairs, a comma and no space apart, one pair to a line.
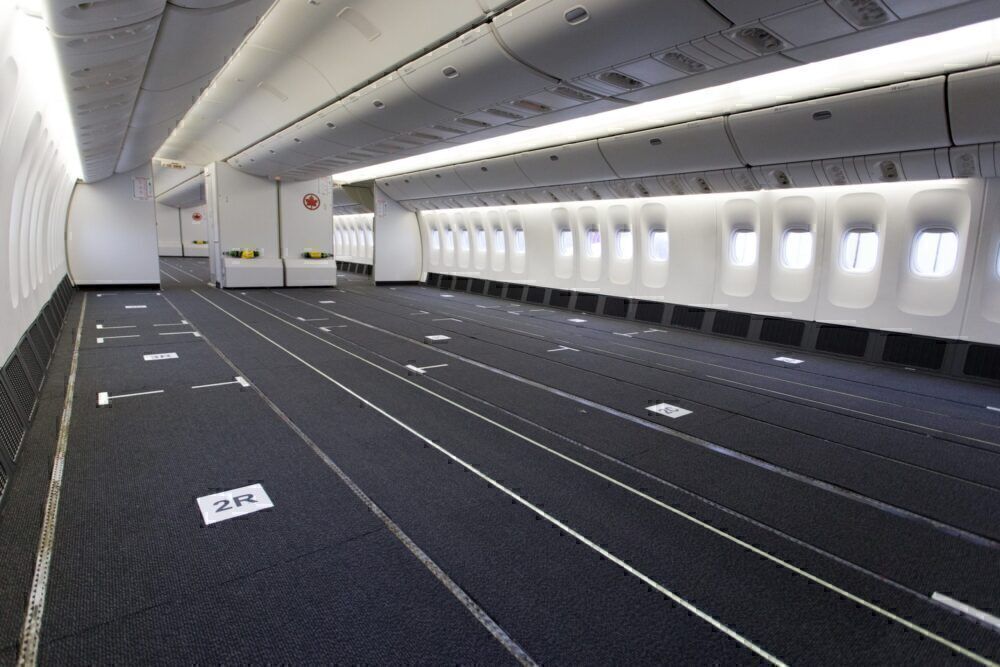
499,239
935,251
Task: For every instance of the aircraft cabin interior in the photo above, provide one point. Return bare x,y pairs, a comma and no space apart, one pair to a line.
538,332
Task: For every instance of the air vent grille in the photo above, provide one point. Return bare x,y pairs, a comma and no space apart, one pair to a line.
756,38
23,392
619,80
11,426
862,13
535,107
503,113
573,94
683,62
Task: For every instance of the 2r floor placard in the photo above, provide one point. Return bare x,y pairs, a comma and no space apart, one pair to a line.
230,504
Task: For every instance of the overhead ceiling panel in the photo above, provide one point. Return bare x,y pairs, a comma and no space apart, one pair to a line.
470,73
71,17
351,42
390,105
567,39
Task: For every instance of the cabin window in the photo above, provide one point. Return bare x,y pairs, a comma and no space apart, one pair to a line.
519,245
659,245
435,239
797,248
623,243
463,239
859,250
593,246
499,242
743,247
368,236
565,243
480,238
449,239
935,253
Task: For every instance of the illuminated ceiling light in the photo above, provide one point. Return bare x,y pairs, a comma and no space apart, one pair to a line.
970,46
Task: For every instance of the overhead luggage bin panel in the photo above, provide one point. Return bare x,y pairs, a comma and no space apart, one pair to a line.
71,17
444,182
972,108
470,73
743,11
408,186
697,146
352,42
901,117
572,163
390,105
500,173
567,39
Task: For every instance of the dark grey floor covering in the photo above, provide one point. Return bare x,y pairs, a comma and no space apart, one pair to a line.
785,519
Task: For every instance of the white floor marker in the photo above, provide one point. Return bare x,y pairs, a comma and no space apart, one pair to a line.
172,324
422,369
333,326
577,319
135,306
231,504
993,408
328,302
101,340
668,410
448,296
968,610
447,319
436,338
788,360
159,357
181,333
562,348
122,326
104,399
241,381
311,319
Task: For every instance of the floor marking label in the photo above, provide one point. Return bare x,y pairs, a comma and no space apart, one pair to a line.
240,380
333,326
123,326
101,340
436,338
421,312
562,348
479,305
993,408
788,360
172,324
448,296
231,504
627,335
328,302
104,399
447,319
577,319
422,369
135,306
160,356
668,410
514,312
311,319
181,333
968,610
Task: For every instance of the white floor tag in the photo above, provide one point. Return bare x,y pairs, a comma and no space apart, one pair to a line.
229,504
668,410
436,338
159,357
577,319
788,360
135,306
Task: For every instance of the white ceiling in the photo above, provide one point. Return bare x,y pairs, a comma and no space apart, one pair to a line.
133,68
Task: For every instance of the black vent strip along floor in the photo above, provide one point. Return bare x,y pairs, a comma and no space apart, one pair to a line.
475,387
274,330
133,471
876,378
696,348
973,505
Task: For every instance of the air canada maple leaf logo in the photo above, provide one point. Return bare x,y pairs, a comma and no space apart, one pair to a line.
311,201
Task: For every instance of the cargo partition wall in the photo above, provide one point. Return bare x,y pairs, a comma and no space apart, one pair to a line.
242,214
